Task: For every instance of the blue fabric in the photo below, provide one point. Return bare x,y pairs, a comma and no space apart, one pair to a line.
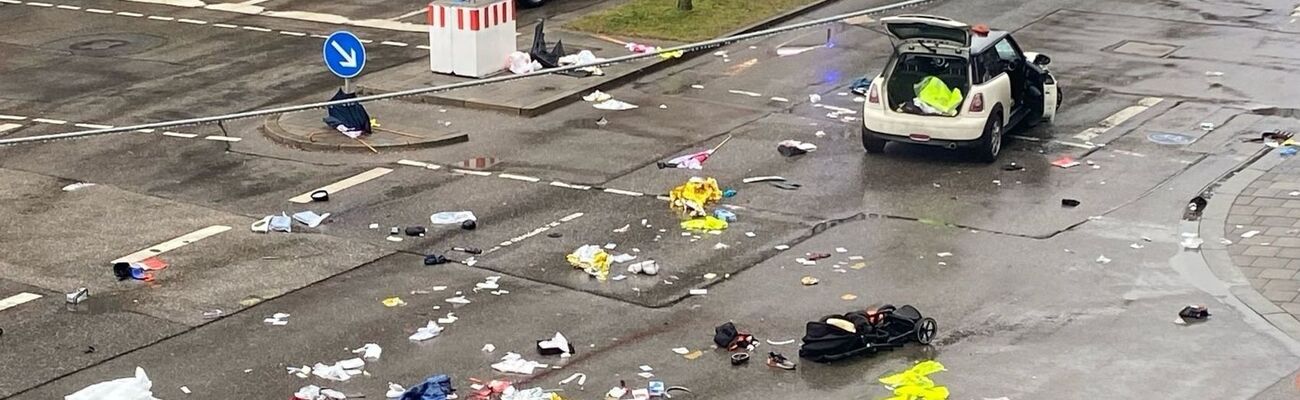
437,387
351,115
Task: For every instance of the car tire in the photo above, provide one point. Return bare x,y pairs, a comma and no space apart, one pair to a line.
530,3
871,143
991,141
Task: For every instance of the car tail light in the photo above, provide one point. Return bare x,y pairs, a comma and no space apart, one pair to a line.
872,95
977,103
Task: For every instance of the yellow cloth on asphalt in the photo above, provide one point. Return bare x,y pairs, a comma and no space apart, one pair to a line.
591,259
914,383
934,93
704,224
695,196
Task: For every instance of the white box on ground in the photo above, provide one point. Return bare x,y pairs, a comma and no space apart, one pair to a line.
472,37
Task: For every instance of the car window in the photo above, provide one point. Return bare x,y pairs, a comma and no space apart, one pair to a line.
1006,50
987,66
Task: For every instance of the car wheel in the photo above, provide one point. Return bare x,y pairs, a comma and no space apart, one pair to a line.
871,143
530,3
925,330
991,142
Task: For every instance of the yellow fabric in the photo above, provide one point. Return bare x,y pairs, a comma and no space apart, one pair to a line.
592,260
695,196
913,384
933,92
704,224
671,54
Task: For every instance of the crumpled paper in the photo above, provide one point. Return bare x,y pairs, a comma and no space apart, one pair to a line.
515,363
429,331
591,259
695,196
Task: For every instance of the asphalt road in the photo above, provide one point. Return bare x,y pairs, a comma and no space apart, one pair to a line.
1025,310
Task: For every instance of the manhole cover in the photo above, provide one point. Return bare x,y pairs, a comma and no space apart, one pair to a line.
107,45
1146,49
1170,138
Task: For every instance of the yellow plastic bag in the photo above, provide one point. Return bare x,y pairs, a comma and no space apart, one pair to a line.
704,224
933,92
591,259
913,384
695,196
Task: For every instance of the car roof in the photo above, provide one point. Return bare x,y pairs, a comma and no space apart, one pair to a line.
978,43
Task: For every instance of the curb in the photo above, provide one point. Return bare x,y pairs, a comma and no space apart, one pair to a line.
272,130
566,99
1211,228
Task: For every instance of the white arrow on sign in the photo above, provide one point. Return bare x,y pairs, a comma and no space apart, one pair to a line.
349,56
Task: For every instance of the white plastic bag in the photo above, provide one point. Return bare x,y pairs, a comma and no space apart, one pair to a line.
135,388
521,63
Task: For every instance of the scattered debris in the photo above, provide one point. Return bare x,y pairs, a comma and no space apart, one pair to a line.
614,105
695,196
77,296
429,331
393,302
516,364
648,267
776,360
699,292
1065,162
790,148
556,345
745,93
437,387
591,259
452,217
77,186
1249,234
1194,312
1192,242
849,297
597,97
1069,203
369,351
694,160
739,358
1103,260
915,383
809,281
814,98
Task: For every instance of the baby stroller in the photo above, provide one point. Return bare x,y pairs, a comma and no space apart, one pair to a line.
836,337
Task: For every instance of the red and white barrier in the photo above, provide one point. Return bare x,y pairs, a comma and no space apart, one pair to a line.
472,37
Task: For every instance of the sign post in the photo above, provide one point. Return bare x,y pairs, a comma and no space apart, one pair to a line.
345,56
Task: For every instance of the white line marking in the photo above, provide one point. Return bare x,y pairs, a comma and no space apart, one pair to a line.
343,184
180,135
144,130
1072,144
35,4
130,14
533,232
298,34
67,7
11,2
256,28
17,299
9,127
98,11
318,36
49,121
1027,138
413,163
1117,118
1128,153
571,217
227,26
192,21
410,14
398,44
158,18
173,244
518,177
366,41
92,126
12,117
468,172
624,192
433,166
422,47
570,186
223,138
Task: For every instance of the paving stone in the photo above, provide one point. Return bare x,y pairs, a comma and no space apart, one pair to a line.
1242,261
1244,200
1288,253
1272,211
1261,251
1244,210
1284,186
1291,204
1294,213
1283,222
1287,242
1267,202
1244,219
1281,274
1282,232
1284,284
1258,283
1270,262
1251,272
1279,296
1291,308
1294,264
1236,250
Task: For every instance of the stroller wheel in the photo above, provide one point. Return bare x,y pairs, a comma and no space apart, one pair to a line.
925,330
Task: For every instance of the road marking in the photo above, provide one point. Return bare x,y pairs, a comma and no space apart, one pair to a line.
569,186
256,28
17,300
398,44
366,41
1061,142
98,11
11,2
158,18
343,184
227,26
173,244
92,126
518,177
9,127
68,7
12,117
192,21
1117,118
35,4
144,130
180,135
534,232
468,172
413,163
223,138
49,121
624,192
422,47
298,34
410,14
130,14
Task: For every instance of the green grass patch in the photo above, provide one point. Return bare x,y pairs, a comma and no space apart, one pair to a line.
660,19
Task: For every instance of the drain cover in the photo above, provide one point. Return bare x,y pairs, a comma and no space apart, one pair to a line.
1146,49
1170,138
107,45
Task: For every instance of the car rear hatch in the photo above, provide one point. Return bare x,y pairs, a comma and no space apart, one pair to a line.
928,28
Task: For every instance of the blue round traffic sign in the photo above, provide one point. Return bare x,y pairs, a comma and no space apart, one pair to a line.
344,54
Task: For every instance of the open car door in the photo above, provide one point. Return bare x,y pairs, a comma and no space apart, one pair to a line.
928,28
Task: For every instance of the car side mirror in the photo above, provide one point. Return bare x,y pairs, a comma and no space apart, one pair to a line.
1041,59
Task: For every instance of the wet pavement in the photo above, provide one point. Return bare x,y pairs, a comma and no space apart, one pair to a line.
1024,307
